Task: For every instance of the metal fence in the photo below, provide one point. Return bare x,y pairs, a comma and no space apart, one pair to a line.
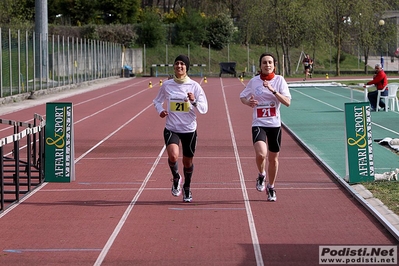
30,62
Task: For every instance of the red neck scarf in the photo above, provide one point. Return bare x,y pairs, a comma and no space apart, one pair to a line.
267,77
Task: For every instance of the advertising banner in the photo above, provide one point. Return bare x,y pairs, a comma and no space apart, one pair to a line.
59,144
359,143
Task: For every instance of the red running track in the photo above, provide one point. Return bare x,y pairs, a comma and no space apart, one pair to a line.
120,211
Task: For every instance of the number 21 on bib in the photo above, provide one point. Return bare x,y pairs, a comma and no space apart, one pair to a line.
265,111
179,106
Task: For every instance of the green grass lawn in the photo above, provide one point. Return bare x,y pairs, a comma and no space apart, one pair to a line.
387,192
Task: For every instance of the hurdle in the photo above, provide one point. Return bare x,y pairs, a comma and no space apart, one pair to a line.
158,70
22,169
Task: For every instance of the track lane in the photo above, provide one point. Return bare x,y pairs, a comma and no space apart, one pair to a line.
312,208
110,201
205,230
213,229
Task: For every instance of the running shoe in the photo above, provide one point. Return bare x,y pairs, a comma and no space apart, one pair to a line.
176,191
187,196
271,194
260,183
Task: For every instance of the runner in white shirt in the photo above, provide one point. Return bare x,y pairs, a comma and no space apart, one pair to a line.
265,93
182,97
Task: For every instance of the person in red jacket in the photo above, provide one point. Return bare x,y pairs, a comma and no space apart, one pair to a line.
380,81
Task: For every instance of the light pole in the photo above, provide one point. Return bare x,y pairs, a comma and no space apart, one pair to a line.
381,23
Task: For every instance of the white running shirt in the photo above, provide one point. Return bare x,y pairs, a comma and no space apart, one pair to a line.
181,116
267,113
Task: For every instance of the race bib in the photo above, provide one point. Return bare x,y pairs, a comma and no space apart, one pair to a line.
179,106
265,111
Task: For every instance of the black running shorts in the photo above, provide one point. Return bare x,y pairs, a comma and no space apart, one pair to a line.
188,141
272,134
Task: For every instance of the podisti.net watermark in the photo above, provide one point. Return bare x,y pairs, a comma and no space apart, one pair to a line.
358,255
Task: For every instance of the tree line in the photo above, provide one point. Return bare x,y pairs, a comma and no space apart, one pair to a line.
279,24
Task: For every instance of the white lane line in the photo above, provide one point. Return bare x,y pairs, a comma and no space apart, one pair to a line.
112,105
113,133
340,109
70,94
251,222
22,250
27,196
108,93
119,226
208,209
281,157
93,114
197,188
317,100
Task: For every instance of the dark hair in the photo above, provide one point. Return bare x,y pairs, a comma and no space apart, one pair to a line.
267,54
